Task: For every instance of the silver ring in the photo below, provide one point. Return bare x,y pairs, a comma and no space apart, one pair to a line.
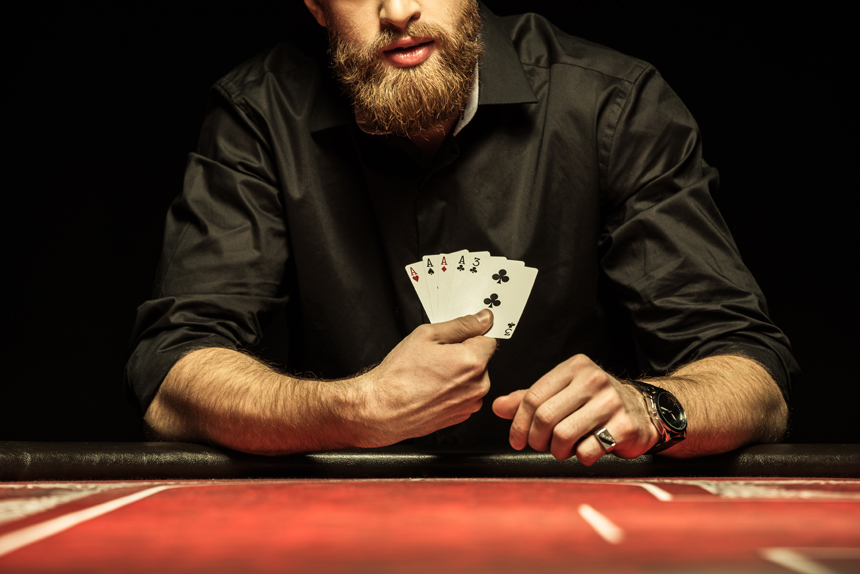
605,439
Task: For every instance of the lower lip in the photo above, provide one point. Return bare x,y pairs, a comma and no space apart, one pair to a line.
409,57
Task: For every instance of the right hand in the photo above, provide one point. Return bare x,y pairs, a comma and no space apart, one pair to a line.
434,378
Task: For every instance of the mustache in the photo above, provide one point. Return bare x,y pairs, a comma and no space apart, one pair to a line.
415,29
370,51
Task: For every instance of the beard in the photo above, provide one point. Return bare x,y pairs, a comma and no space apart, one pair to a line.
408,101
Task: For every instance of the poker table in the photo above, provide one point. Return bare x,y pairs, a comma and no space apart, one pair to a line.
175,507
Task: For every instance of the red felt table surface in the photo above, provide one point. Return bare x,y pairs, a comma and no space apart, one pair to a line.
438,525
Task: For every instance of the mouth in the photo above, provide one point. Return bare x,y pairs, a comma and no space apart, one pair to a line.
409,51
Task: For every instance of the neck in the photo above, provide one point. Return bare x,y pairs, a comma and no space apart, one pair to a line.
430,141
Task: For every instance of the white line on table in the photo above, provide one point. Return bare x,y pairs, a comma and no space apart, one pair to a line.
794,561
762,489
656,491
20,538
602,525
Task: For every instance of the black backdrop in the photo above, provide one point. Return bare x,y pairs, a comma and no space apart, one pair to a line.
104,102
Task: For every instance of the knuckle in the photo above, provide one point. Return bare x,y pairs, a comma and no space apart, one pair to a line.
425,331
518,430
478,391
623,428
586,455
579,361
465,324
475,369
490,346
544,416
563,434
586,461
596,380
532,399
612,402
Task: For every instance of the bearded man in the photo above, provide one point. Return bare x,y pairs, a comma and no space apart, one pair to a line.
443,127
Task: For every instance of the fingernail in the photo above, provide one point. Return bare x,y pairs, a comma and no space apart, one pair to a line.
483,316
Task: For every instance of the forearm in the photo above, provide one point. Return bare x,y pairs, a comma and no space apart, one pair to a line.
435,377
224,397
730,400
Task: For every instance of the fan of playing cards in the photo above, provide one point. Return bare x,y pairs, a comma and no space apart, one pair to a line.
452,285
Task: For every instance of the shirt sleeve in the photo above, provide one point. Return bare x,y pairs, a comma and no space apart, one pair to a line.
666,249
224,255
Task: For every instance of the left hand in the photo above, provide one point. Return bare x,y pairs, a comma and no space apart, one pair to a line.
562,410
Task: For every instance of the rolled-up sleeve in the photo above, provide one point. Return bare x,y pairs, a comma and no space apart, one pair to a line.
225,249
667,251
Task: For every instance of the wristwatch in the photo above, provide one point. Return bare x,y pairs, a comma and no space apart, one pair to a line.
666,412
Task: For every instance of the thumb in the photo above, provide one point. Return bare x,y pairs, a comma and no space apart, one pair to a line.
506,406
466,327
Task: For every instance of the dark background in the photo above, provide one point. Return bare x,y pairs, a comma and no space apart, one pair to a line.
105,101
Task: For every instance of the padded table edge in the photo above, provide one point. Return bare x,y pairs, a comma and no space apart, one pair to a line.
39,461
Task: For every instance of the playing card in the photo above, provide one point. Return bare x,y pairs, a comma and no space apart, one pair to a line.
469,280
432,264
475,289
462,283
448,271
504,289
418,278
463,263
507,295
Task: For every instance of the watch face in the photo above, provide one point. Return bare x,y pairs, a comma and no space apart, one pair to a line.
671,412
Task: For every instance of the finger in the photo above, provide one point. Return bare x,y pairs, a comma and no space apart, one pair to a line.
483,347
560,406
573,429
463,328
506,406
484,386
589,450
536,398
630,442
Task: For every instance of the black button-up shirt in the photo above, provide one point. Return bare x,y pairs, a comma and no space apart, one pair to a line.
580,162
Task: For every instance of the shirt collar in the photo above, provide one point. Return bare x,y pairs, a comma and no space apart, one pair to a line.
501,80
471,104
